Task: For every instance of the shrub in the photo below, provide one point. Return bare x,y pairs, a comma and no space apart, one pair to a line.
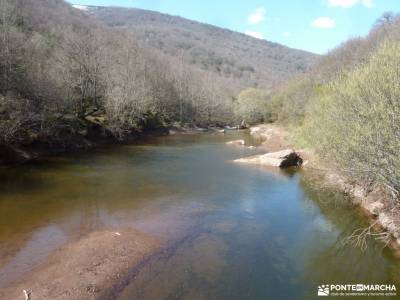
251,105
356,121
288,105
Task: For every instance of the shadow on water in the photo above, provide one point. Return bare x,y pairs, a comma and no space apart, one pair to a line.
232,231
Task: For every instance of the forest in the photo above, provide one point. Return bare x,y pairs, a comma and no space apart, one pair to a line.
67,77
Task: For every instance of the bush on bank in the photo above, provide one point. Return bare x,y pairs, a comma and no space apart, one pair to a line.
356,121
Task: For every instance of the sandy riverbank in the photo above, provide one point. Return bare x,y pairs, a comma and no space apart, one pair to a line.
87,268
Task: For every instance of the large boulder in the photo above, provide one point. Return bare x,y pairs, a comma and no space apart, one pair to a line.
282,159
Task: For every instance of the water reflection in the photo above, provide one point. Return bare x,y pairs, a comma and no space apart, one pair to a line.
233,231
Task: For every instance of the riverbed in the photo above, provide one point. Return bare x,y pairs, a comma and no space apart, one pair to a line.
229,231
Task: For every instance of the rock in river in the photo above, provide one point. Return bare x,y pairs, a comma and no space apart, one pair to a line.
236,142
282,159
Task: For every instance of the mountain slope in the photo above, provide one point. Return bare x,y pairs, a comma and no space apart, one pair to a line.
71,74
245,60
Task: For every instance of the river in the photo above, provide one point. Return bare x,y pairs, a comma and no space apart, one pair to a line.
233,231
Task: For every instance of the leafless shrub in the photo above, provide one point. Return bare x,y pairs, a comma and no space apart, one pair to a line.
359,238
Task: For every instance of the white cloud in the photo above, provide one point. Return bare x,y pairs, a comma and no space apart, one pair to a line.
343,3
255,34
286,34
80,7
368,3
258,16
324,22
350,3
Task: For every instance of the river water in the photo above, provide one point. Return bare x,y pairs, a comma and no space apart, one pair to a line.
233,231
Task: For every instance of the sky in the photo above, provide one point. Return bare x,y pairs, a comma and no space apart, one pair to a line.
313,25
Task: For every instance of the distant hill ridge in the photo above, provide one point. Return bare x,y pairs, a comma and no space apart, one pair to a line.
244,60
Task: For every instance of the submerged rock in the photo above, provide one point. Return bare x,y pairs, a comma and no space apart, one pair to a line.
231,127
255,130
282,159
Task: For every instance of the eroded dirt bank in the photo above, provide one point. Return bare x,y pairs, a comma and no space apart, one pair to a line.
379,206
87,268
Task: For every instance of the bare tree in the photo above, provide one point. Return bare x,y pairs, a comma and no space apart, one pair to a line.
83,58
11,47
